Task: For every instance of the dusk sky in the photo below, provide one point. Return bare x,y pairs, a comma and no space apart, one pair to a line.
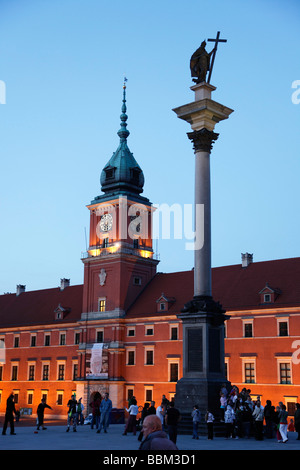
62,65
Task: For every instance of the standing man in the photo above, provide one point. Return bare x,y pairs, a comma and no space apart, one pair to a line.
72,415
105,409
9,415
172,418
40,413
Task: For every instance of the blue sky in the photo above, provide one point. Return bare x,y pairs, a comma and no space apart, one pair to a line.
63,64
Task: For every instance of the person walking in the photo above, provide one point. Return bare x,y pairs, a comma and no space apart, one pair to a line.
229,422
95,405
160,412
297,420
105,409
269,419
283,415
172,418
79,412
72,413
9,415
209,418
258,416
131,422
246,420
196,415
223,404
152,409
40,413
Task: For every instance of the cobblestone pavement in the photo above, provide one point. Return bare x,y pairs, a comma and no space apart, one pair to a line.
55,437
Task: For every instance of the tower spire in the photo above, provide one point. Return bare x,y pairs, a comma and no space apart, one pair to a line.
123,133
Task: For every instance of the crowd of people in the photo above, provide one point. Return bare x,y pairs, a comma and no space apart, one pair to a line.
244,417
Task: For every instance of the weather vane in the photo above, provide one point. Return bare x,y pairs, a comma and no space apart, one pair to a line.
202,61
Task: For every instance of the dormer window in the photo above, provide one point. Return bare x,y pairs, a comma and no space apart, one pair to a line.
135,175
109,173
164,303
269,294
60,312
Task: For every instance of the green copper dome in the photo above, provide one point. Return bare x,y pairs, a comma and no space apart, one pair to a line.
122,172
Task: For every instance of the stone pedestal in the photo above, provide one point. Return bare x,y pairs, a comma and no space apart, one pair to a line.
202,317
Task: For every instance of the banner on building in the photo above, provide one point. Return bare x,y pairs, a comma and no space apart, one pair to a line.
97,362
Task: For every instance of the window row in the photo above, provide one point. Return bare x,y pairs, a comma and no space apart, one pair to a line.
45,371
284,371
282,327
30,397
149,331
173,364
62,340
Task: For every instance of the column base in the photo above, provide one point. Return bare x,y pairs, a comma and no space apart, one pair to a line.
205,304
204,393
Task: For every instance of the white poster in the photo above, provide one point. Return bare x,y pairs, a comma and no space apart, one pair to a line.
97,363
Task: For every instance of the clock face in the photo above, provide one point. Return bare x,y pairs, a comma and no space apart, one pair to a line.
106,222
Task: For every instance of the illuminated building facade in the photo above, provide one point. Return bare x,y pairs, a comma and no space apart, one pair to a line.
119,331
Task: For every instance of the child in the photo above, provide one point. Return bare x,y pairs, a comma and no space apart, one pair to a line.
291,427
209,418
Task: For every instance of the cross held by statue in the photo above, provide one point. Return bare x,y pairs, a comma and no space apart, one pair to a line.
216,41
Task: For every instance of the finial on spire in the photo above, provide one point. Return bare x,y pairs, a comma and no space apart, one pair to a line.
123,133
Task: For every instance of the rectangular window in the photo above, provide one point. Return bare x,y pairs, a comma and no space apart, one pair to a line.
14,373
75,371
285,372
173,372
149,357
131,332
62,339
149,331
101,304
30,397
31,372
77,338
148,394
33,341
47,340
283,328
46,368
248,330
249,372
174,333
61,372
60,396
16,341
99,338
131,358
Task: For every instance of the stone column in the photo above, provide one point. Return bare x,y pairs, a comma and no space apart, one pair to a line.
202,317
203,140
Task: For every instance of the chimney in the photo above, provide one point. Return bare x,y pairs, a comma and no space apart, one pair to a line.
20,289
64,283
247,259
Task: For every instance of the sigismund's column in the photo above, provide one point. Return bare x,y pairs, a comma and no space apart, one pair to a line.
202,317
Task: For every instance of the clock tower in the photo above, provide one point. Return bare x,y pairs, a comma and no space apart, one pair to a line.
119,261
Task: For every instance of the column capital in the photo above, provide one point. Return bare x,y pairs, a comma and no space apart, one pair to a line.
203,139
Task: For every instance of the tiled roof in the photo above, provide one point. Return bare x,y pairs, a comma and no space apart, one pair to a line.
236,288
37,307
